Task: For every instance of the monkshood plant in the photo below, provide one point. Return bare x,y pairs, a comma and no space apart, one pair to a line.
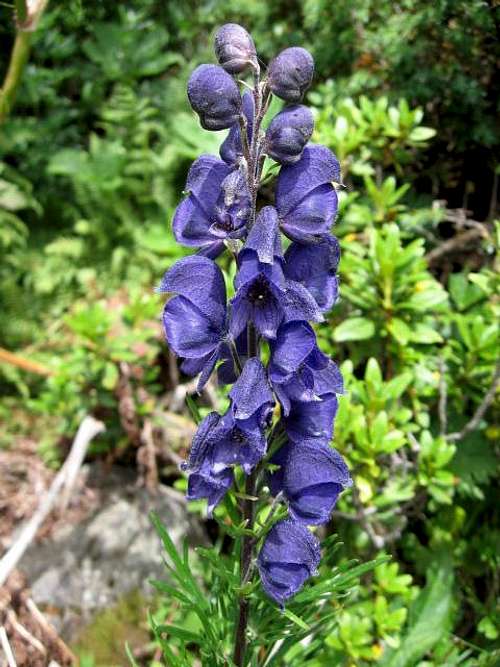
266,464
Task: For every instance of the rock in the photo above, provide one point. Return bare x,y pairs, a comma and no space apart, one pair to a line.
89,566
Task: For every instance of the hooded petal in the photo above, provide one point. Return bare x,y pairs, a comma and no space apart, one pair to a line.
205,484
289,556
264,237
189,332
193,216
305,197
318,166
311,421
327,376
313,216
314,476
315,266
299,304
294,343
251,393
200,281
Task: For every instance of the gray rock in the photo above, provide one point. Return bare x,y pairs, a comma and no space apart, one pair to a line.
87,567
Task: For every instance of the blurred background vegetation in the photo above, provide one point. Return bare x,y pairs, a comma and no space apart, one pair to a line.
93,159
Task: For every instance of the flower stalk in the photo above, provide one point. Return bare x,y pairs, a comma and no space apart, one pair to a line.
278,292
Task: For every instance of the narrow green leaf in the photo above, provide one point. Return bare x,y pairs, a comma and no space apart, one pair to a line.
298,621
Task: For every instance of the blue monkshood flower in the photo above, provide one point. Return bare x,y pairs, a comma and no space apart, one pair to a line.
315,266
207,479
290,73
298,370
215,97
311,421
223,441
251,396
264,297
311,477
238,442
234,48
288,133
231,149
305,197
195,320
289,556
217,206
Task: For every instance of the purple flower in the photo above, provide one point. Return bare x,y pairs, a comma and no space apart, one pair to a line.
311,421
290,73
206,478
311,477
305,197
195,320
237,444
298,370
251,396
288,133
217,206
314,266
289,556
234,48
214,96
231,149
264,297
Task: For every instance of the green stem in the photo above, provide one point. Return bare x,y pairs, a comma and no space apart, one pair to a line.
21,11
18,60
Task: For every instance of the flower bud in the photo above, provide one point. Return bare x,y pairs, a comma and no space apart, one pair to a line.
289,556
290,73
214,96
288,133
234,48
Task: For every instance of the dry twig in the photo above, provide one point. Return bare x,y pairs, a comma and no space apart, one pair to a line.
481,409
4,641
88,429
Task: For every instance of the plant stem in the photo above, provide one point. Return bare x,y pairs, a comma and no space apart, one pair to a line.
248,508
18,60
240,641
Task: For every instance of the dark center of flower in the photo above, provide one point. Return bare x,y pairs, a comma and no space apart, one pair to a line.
259,293
225,223
238,436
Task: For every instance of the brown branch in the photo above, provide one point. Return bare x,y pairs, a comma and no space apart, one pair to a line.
457,243
481,409
23,363
51,632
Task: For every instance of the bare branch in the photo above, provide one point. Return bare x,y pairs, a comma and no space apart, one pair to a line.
4,641
64,479
483,406
443,397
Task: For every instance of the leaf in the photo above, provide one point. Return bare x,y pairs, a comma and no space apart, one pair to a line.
399,330
298,621
428,620
355,328
193,409
422,133
425,334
